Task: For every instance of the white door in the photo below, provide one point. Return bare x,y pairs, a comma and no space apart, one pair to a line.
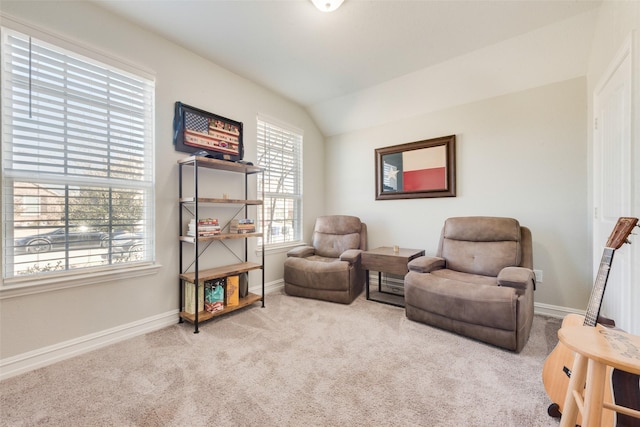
613,187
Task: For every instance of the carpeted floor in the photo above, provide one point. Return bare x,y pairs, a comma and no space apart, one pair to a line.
297,362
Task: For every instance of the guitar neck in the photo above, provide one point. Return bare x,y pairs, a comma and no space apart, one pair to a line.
595,301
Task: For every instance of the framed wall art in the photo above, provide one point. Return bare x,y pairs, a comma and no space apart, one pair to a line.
417,169
198,131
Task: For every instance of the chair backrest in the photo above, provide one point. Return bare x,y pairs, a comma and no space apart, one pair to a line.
484,245
334,234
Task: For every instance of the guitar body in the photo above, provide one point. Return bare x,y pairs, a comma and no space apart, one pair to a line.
626,392
556,379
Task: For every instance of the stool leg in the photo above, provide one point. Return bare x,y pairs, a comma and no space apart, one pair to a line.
576,384
594,394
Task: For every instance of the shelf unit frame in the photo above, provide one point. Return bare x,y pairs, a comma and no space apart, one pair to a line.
196,276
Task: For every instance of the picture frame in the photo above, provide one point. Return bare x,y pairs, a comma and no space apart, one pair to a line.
202,132
421,169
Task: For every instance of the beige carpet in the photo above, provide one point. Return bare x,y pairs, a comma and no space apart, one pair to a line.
296,362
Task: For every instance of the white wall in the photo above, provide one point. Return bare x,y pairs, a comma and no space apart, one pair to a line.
30,323
522,155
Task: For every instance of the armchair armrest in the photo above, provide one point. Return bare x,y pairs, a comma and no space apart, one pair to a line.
351,255
426,264
301,251
519,278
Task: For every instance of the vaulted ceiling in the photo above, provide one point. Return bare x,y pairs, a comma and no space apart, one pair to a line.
379,60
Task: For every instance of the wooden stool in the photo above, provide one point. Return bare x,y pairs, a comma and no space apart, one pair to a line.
597,350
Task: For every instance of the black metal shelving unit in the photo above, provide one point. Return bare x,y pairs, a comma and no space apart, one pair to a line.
190,271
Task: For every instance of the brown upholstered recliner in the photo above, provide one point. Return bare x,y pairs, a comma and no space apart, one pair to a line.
479,285
330,268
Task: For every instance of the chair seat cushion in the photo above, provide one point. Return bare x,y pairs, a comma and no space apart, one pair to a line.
317,272
480,304
445,273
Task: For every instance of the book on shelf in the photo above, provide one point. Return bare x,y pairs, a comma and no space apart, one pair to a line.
232,291
206,221
206,227
242,226
190,297
214,294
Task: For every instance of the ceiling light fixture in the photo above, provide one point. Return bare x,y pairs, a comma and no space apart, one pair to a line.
327,5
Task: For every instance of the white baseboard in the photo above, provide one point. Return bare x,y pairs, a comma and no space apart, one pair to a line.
21,363
269,287
15,365
554,310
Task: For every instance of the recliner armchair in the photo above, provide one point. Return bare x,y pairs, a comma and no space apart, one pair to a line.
330,268
480,283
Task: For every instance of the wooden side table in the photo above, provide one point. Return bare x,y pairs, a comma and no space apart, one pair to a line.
386,260
597,350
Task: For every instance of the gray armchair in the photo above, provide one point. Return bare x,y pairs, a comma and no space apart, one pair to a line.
330,268
480,283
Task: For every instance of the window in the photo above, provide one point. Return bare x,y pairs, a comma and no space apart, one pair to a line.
77,162
280,154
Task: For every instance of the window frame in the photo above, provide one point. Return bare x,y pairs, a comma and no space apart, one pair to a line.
16,285
297,197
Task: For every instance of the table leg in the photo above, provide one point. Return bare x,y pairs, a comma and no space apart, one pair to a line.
379,281
366,282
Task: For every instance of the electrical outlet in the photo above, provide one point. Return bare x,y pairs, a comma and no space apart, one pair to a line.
538,274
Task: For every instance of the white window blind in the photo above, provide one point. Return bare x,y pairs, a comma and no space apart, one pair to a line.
77,161
280,154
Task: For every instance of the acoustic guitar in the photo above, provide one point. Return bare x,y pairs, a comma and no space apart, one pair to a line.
556,371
